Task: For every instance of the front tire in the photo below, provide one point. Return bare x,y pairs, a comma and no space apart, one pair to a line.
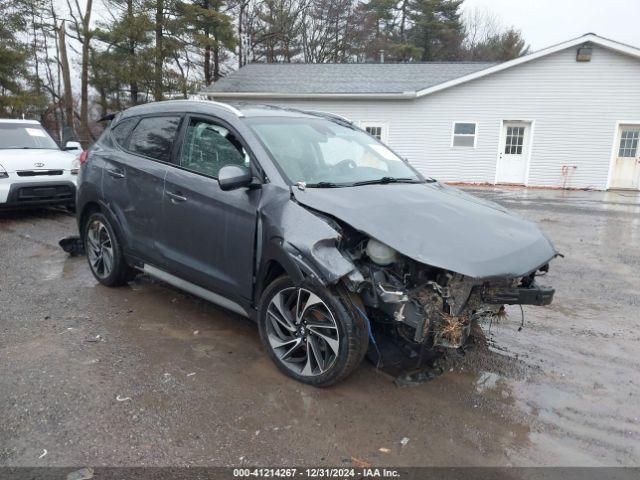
313,334
104,252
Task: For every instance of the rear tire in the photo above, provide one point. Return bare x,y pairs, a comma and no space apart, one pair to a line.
312,333
104,252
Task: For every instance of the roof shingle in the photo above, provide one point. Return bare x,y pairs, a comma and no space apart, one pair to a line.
338,78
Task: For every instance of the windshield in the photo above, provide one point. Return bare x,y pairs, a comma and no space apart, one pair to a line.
322,153
25,135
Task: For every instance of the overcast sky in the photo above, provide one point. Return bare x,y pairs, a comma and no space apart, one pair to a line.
547,22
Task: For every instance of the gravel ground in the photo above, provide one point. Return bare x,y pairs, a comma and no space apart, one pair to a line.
146,375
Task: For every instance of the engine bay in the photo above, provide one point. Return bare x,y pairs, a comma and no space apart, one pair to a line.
427,307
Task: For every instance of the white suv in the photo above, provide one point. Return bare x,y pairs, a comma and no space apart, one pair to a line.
34,170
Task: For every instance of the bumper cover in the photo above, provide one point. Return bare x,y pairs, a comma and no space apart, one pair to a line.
40,193
532,295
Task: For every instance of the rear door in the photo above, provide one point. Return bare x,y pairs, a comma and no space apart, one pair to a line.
134,181
207,234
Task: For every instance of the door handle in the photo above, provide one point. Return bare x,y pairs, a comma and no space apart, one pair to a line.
176,197
115,173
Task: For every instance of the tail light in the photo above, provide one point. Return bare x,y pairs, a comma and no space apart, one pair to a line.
84,157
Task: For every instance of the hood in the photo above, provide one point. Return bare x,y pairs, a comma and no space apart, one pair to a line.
439,226
34,159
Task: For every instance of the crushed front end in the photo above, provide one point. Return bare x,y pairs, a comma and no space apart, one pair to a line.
428,309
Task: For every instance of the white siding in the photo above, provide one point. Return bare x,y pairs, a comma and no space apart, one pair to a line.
574,105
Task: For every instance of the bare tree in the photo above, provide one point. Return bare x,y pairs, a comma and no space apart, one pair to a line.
480,24
83,33
486,38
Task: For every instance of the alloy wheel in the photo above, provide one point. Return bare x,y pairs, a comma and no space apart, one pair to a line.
99,249
302,331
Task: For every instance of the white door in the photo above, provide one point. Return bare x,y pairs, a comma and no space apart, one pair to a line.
626,171
514,153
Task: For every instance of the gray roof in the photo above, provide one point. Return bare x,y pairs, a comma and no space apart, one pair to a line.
342,78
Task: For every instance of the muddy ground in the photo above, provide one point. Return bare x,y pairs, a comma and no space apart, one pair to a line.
196,388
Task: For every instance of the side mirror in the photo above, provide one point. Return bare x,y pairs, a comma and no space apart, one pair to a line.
232,177
72,146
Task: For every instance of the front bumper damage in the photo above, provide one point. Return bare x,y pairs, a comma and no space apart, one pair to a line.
433,308
533,294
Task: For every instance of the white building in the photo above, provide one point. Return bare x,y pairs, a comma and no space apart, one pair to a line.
565,116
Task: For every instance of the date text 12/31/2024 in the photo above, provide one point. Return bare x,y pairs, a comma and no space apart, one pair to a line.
315,473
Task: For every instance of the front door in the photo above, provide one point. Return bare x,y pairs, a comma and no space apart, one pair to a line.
514,153
626,171
208,235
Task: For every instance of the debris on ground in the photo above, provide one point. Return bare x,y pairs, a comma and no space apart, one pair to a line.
384,450
72,245
96,339
404,441
120,398
82,474
191,374
358,462
44,453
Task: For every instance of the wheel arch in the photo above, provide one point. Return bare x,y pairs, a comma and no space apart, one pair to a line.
98,206
87,210
279,260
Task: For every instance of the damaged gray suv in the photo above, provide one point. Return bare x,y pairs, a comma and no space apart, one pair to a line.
307,225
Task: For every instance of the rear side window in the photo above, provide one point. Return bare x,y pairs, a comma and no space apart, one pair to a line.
153,137
122,130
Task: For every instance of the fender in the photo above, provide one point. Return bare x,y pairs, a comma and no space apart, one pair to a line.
294,264
304,245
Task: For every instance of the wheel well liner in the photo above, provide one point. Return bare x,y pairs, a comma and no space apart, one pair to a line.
87,210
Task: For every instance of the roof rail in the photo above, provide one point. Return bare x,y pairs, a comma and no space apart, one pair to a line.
333,116
226,106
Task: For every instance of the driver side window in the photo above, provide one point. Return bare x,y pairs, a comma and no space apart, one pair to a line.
208,147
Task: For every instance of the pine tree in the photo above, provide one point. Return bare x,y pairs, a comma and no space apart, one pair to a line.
211,30
19,92
437,28
128,53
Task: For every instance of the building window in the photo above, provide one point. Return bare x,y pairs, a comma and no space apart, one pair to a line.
374,132
629,143
514,141
376,129
464,134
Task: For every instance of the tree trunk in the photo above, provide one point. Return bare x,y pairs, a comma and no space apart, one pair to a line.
240,39
133,61
66,77
159,55
403,22
36,63
216,63
207,49
84,76
104,106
